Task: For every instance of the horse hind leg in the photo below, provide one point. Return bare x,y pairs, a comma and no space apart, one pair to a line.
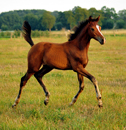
38,75
24,80
81,87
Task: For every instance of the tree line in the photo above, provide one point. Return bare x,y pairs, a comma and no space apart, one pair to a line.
45,20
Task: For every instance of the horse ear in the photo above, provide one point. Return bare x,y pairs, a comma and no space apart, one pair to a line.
90,19
98,18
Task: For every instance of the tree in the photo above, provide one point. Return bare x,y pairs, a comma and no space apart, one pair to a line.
109,24
10,20
120,24
70,18
80,14
4,27
33,20
122,15
17,26
48,20
58,25
62,19
109,13
93,12
110,17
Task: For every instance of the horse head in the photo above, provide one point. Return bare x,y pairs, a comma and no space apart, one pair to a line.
94,30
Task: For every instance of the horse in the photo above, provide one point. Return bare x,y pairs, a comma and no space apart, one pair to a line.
71,55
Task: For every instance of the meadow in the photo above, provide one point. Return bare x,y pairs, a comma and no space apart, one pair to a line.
106,62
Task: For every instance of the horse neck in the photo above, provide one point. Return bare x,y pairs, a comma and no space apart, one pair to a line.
83,39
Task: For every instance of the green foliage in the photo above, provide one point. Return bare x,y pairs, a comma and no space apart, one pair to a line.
43,20
10,20
122,15
5,34
80,14
17,26
121,24
93,12
17,33
58,25
70,18
48,20
62,19
33,20
109,24
46,34
4,27
37,33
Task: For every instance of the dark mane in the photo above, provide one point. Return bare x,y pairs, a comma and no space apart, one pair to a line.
78,29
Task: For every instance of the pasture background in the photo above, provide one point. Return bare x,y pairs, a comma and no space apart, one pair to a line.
107,63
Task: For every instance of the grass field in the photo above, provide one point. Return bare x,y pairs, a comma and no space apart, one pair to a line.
107,63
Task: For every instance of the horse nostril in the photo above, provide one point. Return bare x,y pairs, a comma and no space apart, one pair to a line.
103,41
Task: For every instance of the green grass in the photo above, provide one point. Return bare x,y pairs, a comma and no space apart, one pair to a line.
107,63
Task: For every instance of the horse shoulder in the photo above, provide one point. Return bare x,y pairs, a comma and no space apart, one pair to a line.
77,57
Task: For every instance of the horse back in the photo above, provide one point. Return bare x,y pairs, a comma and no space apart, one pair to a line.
51,54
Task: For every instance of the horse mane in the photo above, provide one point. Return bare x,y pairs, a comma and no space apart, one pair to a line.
78,29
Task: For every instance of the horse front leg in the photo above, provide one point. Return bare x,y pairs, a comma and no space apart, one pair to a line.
85,73
81,87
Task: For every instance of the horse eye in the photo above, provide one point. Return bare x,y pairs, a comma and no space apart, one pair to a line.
92,29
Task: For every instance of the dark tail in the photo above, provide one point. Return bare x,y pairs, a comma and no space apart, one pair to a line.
27,33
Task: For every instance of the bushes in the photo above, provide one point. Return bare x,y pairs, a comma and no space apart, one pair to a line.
5,34
37,33
18,33
10,34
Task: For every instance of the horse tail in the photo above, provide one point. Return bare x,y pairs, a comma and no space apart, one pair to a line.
27,33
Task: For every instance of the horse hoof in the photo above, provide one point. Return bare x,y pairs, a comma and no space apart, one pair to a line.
46,102
100,105
71,104
13,106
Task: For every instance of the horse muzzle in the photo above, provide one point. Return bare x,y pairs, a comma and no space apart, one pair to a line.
101,40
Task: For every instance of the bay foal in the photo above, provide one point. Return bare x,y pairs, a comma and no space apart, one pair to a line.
71,55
